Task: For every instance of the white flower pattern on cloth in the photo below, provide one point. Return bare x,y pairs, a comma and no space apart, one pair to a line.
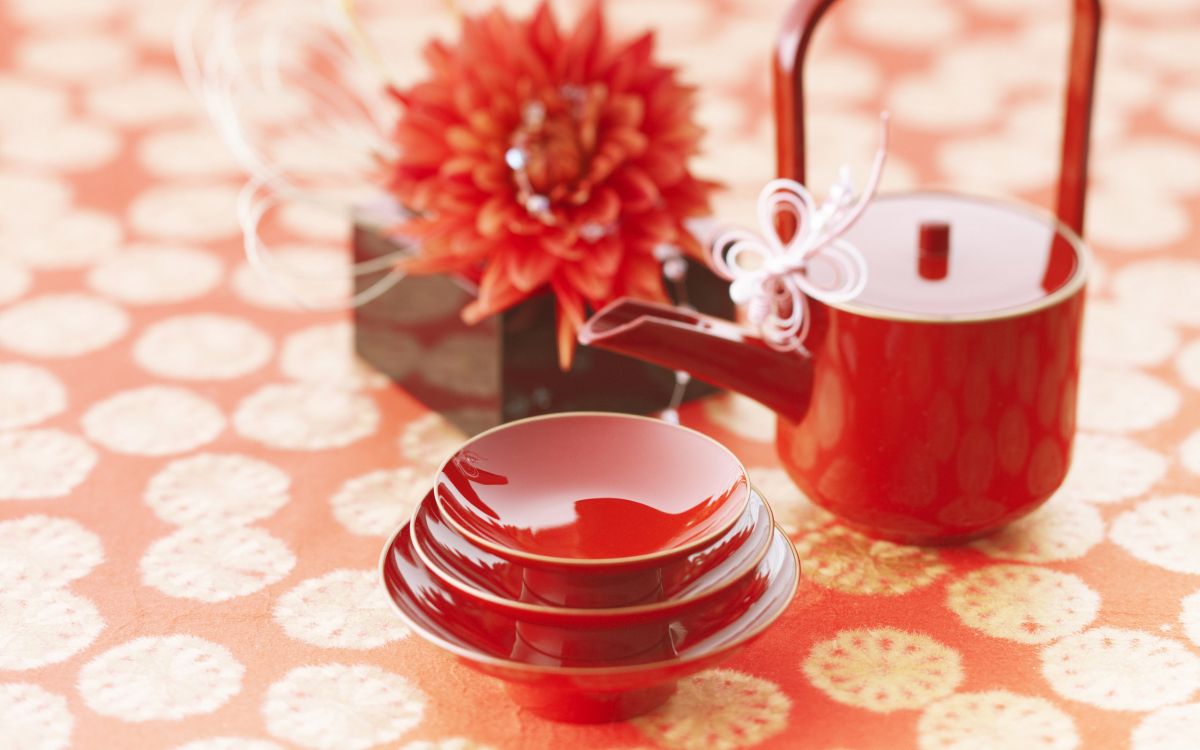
883,669
1163,288
299,416
1190,617
157,678
75,56
80,238
1112,400
1121,670
1111,468
30,201
1169,728
1123,336
215,563
1162,531
373,504
217,488
325,354
995,720
450,743
75,146
718,709
41,626
187,152
840,559
793,511
1023,603
34,718
315,273
231,743
14,281
61,325
189,213
42,551
156,275
342,706
156,420
42,464
1188,364
144,98
430,439
1065,528
341,609
28,395
203,347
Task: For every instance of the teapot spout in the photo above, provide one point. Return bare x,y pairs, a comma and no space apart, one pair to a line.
714,350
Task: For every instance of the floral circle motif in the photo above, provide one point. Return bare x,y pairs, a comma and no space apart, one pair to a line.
14,281
1124,400
342,707
995,720
794,512
1119,211
193,213
1163,288
167,677
61,325
156,275
231,743
311,273
1188,364
1162,531
189,152
217,488
429,440
883,669
299,416
144,98
342,609
719,709
375,503
80,238
42,463
325,354
155,420
1169,728
34,718
1111,468
215,563
1189,452
1121,670
1119,335
1023,603
46,552
76,56
914,27
28,395
742,416
40,626
843,560
450,743
1190,616
61,146
202,347
1063,529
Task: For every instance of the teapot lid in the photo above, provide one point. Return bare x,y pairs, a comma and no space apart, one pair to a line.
945,256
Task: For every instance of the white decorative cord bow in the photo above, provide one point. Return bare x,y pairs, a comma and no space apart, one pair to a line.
770,275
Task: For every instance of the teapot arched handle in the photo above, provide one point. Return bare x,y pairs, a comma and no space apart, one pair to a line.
792,47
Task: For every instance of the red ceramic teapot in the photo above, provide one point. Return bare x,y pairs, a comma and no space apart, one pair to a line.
939,403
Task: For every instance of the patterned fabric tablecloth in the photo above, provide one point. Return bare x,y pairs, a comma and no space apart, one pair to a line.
196,477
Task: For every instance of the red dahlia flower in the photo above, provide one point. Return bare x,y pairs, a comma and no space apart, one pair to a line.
535,159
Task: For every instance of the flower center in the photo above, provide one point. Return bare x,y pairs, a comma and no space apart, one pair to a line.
550,150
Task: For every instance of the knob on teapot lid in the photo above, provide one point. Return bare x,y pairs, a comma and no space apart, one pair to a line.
947,256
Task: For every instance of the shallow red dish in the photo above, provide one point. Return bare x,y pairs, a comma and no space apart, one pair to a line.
703,578
592,490
564,690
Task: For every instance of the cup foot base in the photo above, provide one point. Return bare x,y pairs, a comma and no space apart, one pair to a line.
586,707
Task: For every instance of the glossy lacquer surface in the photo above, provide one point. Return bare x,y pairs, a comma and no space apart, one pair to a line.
702,579
584,690
592,488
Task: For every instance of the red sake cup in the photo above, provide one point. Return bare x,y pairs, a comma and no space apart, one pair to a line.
566,689
593,500
501,584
